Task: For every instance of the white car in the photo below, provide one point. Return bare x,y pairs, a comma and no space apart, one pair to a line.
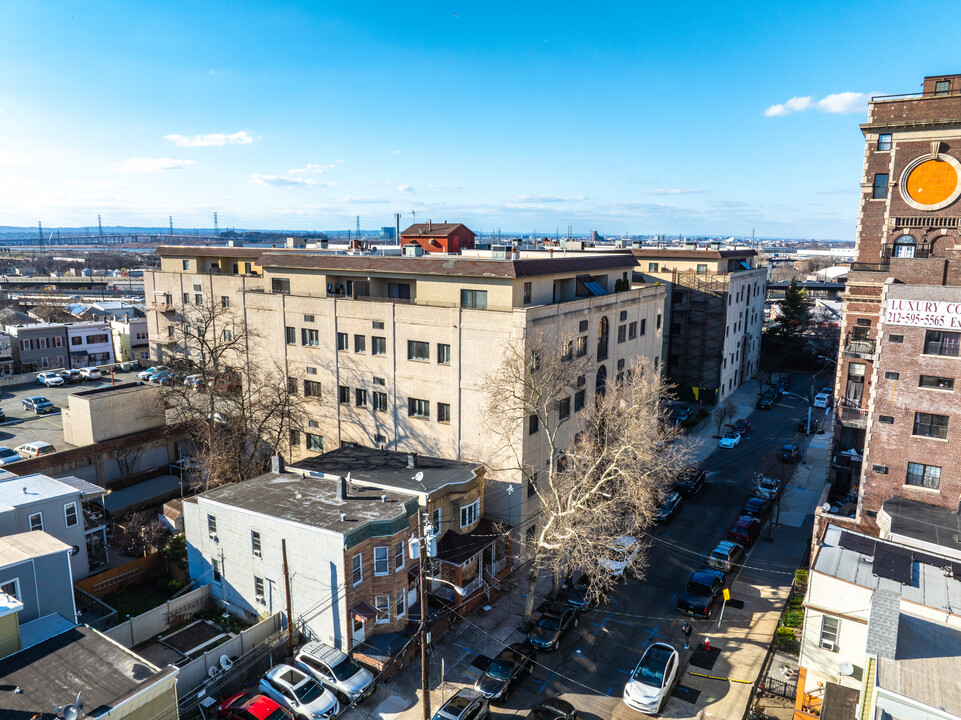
144,374
9,455
90,373
652,679
621,555
822,400
49,379
298,692
767,488
729,440
332,667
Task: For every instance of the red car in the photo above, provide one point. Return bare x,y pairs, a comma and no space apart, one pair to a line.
745,531
251,706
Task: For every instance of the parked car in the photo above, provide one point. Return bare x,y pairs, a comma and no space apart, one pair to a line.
730,440
128,365
757,507
144,374
726,555
789,453
299,693
465,705
822,400
556,620
194,381
552,709
90,373
802,425
745,530
741,427
334,668
767,488
701,592
50,379
620,555
768,400
71,376
505,671
652,679
691,481
680,413
783,383
251,706
8,455
35,449
158,376
668,507
38,404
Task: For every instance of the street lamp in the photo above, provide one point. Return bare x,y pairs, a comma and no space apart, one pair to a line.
804,452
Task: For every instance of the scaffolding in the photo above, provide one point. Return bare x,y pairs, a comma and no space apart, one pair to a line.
696,336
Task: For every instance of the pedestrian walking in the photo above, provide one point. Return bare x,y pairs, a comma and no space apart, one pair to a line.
687,630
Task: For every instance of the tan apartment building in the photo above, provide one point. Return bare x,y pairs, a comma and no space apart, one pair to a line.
714,316
396,352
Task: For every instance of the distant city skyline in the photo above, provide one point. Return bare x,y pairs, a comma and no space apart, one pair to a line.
624,118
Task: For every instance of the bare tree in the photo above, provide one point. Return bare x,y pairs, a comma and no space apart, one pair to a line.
723,414
609,453
127,456
141,533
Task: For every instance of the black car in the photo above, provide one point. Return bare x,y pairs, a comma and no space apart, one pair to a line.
669,506
789,454
768,400
579,594
681,413
757,507
690,482
465,705
802,425
505,671
553,709
701,592
556,620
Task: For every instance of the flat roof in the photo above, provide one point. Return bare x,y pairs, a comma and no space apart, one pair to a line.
310,501
389,468
924,522
26,546
207,251
51,673
28,489
691,254
149,492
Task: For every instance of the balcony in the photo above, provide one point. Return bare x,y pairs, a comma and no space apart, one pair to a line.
870,267
901,251
859,347
925,222
161,306
853,417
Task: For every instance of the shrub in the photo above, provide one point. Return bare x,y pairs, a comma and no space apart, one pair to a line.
801,577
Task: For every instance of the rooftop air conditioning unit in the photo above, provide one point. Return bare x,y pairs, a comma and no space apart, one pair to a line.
501,252
413,250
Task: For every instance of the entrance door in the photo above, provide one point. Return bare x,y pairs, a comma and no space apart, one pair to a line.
358,634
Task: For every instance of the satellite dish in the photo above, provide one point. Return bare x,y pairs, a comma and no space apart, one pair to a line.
826,507
74,550
419,477
71,712
846,669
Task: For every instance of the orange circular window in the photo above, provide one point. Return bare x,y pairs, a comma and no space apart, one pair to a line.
932,182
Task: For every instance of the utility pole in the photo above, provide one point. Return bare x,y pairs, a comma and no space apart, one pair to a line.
290,617
422,596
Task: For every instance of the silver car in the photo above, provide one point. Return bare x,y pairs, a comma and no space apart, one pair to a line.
298,692
335,669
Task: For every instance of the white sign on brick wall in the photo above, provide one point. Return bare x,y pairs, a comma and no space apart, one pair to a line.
924,313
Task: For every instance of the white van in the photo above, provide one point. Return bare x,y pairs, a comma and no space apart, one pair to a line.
822,400
35,449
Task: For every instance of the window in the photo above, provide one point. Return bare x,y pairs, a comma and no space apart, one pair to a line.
309,337
854,390
602,337
938,342
469,514
382,605
185,264
632,331
658,323
357,569
941,87
568,353
290,335
295,438
360,343
360,397
418,408
313,424
198,299
36,521
70,514
896,338
212,526
582,326
905,246
227,335
224,301
443,354
880,469
884,141
643,326
926,476
443,412
399,557
380,439
528,293
829,633
380,401
702,268
255,543
623,315
259,594
564,408
930,425
533,424
308,318
417,350
939,383
891,375
880,189
378,324
315,442
400,605
343,394
579,400
311,388
886,419
532,485
311,370
582,346
621,333
381,562
652,267
476,299
378,345
342,341
280,285
215,570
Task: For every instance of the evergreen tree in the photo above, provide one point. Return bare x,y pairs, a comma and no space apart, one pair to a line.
794,312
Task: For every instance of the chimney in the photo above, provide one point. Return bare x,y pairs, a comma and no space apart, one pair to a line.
341,488
430,226
343,517
411,459
383,498
277,463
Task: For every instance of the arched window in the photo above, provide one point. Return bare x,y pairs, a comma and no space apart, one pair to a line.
905,246
602,336
600,382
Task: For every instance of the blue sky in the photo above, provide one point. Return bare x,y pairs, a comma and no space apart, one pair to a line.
621,117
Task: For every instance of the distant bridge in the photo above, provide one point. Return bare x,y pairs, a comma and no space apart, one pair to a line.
97,284
827,290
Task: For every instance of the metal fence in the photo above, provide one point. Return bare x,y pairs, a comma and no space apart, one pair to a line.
775,686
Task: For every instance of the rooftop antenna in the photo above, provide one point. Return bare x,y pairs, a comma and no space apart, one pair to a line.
414,213
358,227
216,229
171,226
100,227
40,229
397,223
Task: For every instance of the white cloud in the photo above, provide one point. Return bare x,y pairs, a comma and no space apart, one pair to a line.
839,103
398,152
151,165
95,184
674,191
525,199
287,181
364,200
311,169
405,188
241,137
14,157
